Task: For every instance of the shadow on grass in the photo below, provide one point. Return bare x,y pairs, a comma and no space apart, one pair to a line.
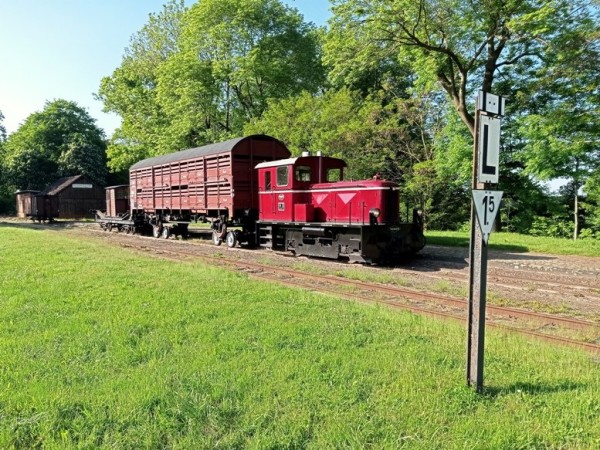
496,251
41,226
450,241
530,388
459,241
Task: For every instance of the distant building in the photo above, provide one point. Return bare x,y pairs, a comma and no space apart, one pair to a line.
68,198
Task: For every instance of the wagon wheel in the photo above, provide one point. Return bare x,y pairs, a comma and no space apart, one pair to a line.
156,230
182,231
166,232
231,239
216,237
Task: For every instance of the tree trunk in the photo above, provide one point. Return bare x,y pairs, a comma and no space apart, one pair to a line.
576,213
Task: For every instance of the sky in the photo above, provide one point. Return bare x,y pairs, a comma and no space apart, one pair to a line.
61,49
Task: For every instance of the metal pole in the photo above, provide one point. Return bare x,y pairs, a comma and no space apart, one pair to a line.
477,283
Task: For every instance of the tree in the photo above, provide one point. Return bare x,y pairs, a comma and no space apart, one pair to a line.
225,60
131,90
2,129
562,131
523,49
592,204
6,197
59,141
342,124
461,45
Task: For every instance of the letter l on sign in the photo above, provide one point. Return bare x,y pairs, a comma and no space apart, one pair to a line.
489,149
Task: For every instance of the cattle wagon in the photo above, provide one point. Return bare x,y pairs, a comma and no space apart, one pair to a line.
216,183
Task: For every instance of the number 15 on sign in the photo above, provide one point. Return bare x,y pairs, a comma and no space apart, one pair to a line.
487,204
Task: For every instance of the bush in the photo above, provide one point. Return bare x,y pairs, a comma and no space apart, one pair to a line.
587,233
551,227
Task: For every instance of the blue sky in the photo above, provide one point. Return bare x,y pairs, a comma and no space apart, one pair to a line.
62,49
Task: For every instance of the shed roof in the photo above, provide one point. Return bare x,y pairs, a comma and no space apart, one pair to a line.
60,184
196,152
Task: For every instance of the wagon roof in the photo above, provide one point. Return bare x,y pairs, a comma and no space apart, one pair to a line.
60,184
192,153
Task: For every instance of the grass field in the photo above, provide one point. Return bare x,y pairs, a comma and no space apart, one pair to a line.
520,243
104,348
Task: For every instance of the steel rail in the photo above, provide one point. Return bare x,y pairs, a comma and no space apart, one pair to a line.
402,293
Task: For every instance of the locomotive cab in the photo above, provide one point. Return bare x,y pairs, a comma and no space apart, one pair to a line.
285,186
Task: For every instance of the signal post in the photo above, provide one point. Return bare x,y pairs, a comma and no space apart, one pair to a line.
484,208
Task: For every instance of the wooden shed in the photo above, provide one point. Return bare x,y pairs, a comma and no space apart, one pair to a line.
77,197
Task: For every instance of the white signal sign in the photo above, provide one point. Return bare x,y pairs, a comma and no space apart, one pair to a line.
489,149
487,204
490,103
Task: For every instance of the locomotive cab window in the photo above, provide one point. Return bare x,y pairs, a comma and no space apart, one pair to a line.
268,181
334,175
302,173
282,176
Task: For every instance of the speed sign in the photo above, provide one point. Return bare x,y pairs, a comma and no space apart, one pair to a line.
487,204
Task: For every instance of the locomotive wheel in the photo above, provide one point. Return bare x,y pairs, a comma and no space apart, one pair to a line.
216,238
166,233
231,239
156,230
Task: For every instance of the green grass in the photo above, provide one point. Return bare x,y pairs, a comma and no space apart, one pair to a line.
104,348
520,243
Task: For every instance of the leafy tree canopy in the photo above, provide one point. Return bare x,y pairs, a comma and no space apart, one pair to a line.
196,75
371,138
461,46
59,141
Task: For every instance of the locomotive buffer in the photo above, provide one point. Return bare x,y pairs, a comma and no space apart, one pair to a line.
484,208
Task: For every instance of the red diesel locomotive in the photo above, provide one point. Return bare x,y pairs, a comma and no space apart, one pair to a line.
254,194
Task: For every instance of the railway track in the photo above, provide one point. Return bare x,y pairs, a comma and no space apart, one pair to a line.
524,282
516,282
552,328
514,274
583,334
